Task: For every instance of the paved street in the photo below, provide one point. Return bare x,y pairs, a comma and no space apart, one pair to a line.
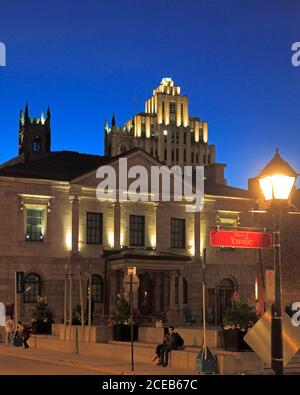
15,365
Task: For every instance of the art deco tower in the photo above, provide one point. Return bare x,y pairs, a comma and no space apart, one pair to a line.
165,130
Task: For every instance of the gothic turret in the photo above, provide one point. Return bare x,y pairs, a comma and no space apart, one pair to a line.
34,134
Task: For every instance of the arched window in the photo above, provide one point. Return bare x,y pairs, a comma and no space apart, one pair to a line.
36,145
32,287
97,288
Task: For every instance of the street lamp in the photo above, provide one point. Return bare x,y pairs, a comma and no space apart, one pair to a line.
276,182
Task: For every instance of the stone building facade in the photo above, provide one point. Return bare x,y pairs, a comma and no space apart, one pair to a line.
54,228
50,216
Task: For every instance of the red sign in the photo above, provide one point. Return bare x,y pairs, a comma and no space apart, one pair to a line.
240,239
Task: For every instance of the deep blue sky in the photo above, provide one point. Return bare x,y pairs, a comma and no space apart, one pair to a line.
90,58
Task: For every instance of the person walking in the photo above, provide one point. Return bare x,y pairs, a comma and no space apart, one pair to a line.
172,342
9,331
24,334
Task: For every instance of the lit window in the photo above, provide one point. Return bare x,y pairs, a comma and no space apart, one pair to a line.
34,224
172,108
228,222
97,288
32,288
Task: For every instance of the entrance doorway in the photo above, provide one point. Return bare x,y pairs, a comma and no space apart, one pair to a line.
145,294
219,300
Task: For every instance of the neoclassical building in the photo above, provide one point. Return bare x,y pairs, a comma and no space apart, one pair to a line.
50,217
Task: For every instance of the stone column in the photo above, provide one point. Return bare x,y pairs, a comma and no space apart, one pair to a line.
157,229
180,295
117,225
75,224
180,290
112,291
156,293
172,313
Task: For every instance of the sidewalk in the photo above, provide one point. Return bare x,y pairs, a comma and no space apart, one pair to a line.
91,363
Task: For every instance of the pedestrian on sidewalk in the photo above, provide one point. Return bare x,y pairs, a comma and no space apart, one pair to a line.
172,342
23,333
9,331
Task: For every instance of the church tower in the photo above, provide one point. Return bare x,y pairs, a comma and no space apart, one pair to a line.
34,134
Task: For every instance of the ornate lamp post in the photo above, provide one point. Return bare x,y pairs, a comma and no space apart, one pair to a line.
276,182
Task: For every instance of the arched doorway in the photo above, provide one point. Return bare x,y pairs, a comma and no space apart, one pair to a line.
145,294
219,299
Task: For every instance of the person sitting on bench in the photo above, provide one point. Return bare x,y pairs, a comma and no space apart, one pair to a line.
159,346
172,342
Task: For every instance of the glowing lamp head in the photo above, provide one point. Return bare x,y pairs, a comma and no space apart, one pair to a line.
277,179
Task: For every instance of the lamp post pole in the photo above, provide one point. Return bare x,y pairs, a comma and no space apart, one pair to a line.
131,320
276,326
277,181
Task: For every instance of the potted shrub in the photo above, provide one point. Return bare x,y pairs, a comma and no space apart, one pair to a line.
236,322
42,317
121,322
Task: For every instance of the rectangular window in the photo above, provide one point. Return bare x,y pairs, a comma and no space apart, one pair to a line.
137,230
172,155
184,155
172,108
192,159
181,110
34,223
228,222
192,136
94,228
177,154
177,233
197,158
165,154
163,109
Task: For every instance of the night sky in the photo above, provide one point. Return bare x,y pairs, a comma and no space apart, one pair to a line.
88,59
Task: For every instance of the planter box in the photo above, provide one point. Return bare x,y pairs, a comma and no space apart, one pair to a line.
234,340
39,328
122,332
